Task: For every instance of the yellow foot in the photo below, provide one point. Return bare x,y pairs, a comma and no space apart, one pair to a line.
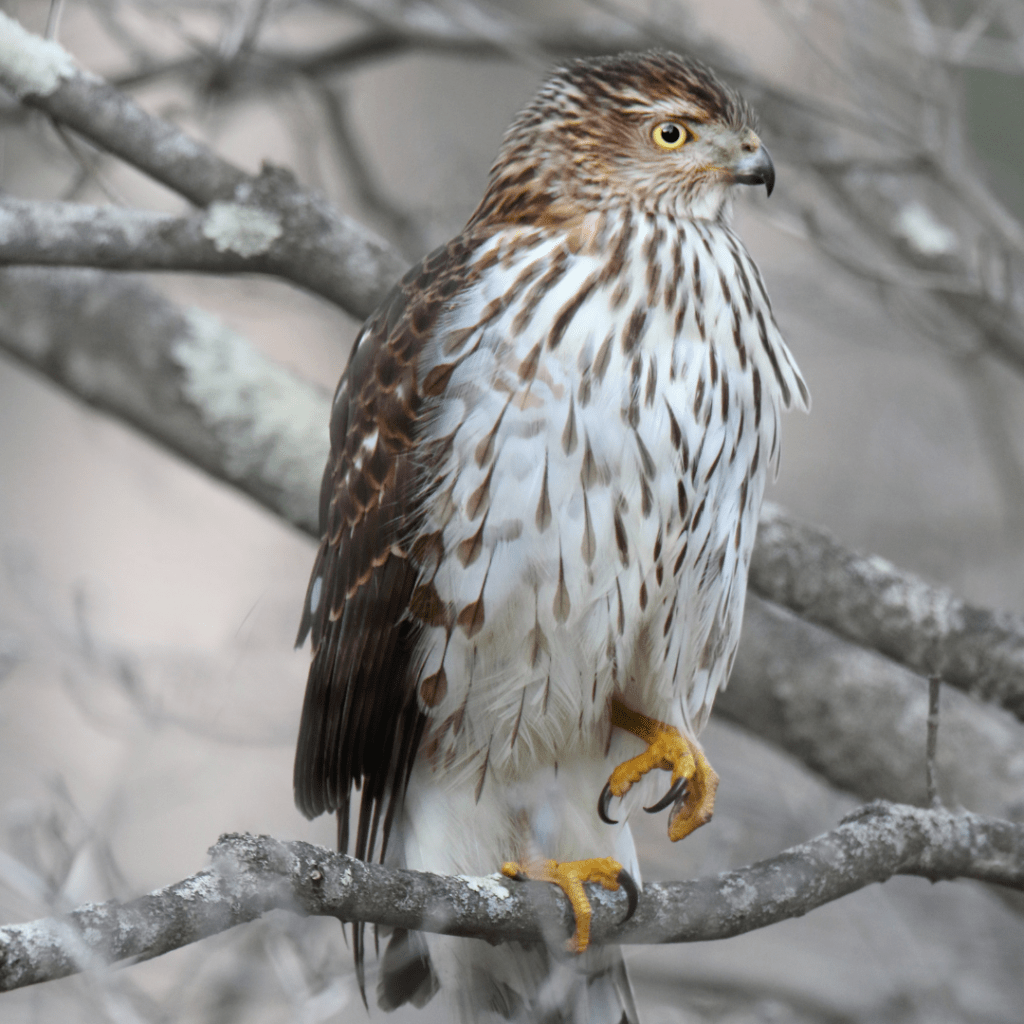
694,781
569,876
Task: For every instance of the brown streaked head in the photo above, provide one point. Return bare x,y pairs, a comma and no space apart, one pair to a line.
652,129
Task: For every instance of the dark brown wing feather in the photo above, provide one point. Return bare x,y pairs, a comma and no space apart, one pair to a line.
361,725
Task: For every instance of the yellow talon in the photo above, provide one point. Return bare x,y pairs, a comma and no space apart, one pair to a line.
569,876
693,778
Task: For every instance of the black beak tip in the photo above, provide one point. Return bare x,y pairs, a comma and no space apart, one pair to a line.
758,169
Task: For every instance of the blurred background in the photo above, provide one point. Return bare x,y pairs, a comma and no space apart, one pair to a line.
149,691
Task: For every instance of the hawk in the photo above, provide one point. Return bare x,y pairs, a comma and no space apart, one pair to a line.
548,453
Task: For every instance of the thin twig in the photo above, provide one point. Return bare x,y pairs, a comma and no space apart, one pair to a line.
401,225
53,19
934,682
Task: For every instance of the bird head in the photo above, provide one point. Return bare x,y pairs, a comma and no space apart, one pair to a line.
651,129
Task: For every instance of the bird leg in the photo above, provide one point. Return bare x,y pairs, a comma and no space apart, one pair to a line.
694,781
569,876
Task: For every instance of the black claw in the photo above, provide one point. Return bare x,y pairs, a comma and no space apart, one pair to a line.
678,805
625,879
677,792
603,802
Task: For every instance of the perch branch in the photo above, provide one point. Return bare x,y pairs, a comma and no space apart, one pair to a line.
251,875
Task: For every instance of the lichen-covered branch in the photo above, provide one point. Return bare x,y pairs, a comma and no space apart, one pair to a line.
246,237
871,601
177,375
300,237
228,238
251,875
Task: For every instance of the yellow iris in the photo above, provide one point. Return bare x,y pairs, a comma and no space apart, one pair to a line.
669,135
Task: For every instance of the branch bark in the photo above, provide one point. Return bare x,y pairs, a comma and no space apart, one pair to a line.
228,239
253,874
264,234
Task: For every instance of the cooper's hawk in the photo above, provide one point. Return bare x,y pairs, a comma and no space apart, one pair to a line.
548,454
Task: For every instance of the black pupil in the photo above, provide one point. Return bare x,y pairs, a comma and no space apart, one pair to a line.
670,133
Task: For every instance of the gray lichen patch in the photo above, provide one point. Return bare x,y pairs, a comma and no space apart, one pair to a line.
270,425
29,65
202,887
246,230
488,885
740,895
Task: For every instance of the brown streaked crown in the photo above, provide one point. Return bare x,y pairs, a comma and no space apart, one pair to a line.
584,141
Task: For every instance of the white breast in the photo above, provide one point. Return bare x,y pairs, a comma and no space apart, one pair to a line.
609,445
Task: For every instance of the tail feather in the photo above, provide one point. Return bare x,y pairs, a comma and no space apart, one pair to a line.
510,984
594,993
406,974
610,994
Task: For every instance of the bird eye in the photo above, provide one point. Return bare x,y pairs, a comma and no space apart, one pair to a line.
669,135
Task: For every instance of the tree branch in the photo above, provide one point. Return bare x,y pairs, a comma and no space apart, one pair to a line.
228,238
312,244
872,602
179,376
860,720
251,875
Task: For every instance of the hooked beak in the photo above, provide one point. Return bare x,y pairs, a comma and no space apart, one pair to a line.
755,169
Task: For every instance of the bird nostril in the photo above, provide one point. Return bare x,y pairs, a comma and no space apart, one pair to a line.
751,146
